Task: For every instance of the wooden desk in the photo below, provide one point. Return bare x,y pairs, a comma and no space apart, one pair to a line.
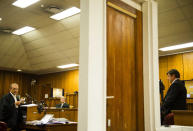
70,114
52,127
183,117
189,103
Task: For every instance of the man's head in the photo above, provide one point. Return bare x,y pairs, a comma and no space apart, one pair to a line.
62,99
172,75
14,88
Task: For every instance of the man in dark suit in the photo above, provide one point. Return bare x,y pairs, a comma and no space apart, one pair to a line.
175,98
9,107
63,103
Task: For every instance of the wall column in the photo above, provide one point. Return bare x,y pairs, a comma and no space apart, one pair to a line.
151,71
92,75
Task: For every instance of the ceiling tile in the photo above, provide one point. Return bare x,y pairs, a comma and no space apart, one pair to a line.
166,5
175,28
188,10
170,17
176,39
184,2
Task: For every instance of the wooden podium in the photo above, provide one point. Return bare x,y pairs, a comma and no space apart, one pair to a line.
30,113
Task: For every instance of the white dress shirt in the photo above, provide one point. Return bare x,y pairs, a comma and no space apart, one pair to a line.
175,80
15,98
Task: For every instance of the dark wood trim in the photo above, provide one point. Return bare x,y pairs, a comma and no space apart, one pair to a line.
123,5
139,71
118,8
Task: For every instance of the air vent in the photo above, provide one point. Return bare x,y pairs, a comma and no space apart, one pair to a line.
5,30
52,9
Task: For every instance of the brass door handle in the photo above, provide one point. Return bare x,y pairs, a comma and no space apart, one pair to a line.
110,97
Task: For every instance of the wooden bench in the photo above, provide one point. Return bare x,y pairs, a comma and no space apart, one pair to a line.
183,117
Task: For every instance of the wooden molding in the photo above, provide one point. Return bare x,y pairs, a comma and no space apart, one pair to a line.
121,10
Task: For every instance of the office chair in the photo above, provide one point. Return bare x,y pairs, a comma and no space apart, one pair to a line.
3,126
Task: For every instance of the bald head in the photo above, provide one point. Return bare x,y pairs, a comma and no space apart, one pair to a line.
14,88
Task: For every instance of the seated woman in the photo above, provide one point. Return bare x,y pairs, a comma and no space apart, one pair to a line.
63,103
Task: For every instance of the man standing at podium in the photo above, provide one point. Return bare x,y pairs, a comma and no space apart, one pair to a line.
9,107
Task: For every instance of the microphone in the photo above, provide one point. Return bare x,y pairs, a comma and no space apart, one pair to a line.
27,95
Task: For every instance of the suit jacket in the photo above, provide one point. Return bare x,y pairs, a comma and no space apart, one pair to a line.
65,105
8,111
175,98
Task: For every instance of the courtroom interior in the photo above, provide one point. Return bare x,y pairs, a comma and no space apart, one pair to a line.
96,65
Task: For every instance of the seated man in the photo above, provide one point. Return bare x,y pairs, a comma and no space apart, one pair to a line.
175,98
63,103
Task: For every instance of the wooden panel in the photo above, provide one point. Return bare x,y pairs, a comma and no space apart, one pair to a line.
56,112
139,70
67,80
188,65
52,102
72,100
176,62
7,77
123,67
163,69
183,118
32,114
70,81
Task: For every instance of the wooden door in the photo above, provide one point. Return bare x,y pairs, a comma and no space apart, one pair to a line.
124,68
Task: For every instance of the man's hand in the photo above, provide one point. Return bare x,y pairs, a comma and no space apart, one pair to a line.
17,103
22,100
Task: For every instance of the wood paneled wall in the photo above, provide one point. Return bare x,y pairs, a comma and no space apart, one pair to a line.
182,62
24,80
67,80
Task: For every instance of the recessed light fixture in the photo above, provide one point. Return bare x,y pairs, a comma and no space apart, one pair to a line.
176,47
19,70
66,13
0,19
24,3
67,66
23,30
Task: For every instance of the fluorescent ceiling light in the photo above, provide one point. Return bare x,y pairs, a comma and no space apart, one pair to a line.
23,30
66,13
24,3
176,47
19,70
67,66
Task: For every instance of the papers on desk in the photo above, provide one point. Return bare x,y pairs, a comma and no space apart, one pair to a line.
46,119
29,105
59,121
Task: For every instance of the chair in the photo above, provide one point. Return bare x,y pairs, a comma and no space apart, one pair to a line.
3,126
169,119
